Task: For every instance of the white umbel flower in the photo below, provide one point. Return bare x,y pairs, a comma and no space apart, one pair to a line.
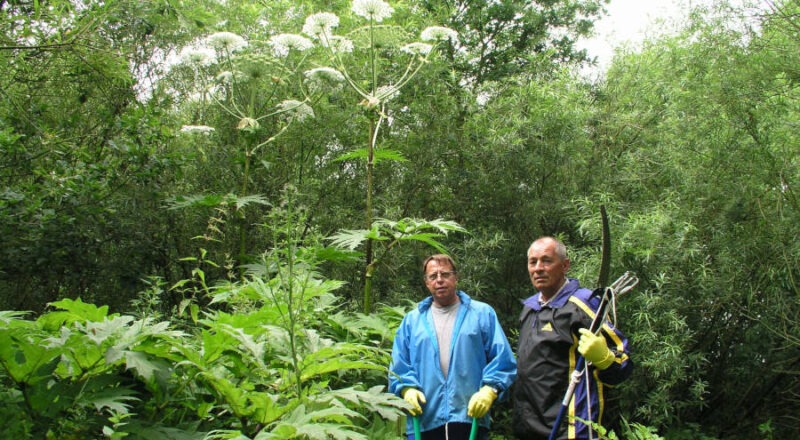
282,44
295,110
439,33
338,44
324,78
198,56
227,41
320,23
372,9
417,48
197,129
225,77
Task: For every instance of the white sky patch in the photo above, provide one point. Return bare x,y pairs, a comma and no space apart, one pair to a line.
628,22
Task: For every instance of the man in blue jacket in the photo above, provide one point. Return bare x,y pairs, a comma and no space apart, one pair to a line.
451,359
553,333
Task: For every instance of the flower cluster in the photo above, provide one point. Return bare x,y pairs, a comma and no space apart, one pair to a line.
320,24
338,44
375,10
324,78
226,41
197,129
295,110
417,48
282,44
200,56
439,33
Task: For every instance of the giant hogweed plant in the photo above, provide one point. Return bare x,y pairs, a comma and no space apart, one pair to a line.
276,358
375,60
382,45
260,85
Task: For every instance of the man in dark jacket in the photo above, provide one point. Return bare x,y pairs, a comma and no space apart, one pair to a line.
553,332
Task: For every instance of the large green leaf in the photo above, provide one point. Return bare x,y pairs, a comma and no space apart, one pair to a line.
25,357
115,399
144,366
72,311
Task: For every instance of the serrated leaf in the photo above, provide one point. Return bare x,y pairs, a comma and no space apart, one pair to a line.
360,153
243,201
113,399
201,200
335,358
381,154
72,311
266,409
99,332
426,238
143,365
349,238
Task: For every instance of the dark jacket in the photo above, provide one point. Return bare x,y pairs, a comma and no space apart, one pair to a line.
546,358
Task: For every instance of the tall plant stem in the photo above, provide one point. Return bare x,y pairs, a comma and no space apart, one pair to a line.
369,268
245,179
290,308
242,223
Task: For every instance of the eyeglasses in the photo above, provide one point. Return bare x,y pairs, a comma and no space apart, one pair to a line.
444,275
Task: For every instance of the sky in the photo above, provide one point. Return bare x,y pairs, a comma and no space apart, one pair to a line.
627,21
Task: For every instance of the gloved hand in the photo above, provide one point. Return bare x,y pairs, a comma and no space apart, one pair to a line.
593,348
414,397
481,401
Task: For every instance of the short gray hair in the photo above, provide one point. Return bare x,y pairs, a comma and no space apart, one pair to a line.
561,249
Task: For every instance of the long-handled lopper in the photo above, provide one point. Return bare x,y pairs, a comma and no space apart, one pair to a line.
620,287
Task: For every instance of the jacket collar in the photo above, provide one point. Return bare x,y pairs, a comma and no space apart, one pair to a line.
558,301
426,303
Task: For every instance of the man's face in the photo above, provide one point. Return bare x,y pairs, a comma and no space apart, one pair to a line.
547,270
441,280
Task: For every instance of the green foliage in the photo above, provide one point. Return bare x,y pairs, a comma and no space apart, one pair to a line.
707,219
394,232
271,370
690,142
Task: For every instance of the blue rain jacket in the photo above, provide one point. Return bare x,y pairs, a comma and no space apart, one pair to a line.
480,355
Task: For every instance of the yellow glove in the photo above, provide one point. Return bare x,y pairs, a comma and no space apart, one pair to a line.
481,401
414,397
593,348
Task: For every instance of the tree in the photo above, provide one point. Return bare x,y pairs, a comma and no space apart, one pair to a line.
694,125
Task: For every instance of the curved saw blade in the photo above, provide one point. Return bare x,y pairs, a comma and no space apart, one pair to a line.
605,258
